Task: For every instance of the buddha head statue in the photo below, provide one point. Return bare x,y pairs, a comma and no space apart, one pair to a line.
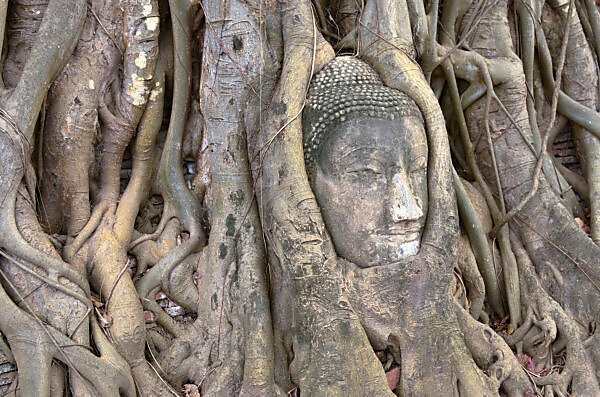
366,155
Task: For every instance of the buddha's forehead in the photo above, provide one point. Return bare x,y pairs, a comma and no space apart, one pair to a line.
390,140
348,89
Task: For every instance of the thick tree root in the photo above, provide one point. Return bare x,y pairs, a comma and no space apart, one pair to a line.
35,344
494,356
423,333
552,320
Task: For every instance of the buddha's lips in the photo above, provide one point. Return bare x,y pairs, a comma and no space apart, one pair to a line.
390,248
399,238
399,230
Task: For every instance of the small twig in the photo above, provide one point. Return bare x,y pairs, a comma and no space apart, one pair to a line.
105,30
164,381
209,371
80,322
27,295
318,8
112,289
390,43
157,374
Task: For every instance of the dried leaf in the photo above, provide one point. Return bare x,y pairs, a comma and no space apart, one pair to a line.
510,329
148,316
191,390
393,377
523,360
96,302
104,319
156,199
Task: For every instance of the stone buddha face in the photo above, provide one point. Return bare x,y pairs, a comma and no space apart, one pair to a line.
370,180
369,175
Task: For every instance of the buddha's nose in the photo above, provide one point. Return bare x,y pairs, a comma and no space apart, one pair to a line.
403,205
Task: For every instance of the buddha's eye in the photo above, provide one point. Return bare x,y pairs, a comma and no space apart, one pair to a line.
367,171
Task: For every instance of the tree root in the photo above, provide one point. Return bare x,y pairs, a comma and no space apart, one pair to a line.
473,282
12,241
159,275
71,249
149,252
551,320
168,214
480,246
494,356
30,338
172,184
580,72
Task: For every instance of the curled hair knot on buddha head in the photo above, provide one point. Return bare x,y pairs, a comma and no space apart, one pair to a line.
348,88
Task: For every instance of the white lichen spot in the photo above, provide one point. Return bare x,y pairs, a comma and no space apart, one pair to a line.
152,23
137,90
91,84
141,60
154,94
147,9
